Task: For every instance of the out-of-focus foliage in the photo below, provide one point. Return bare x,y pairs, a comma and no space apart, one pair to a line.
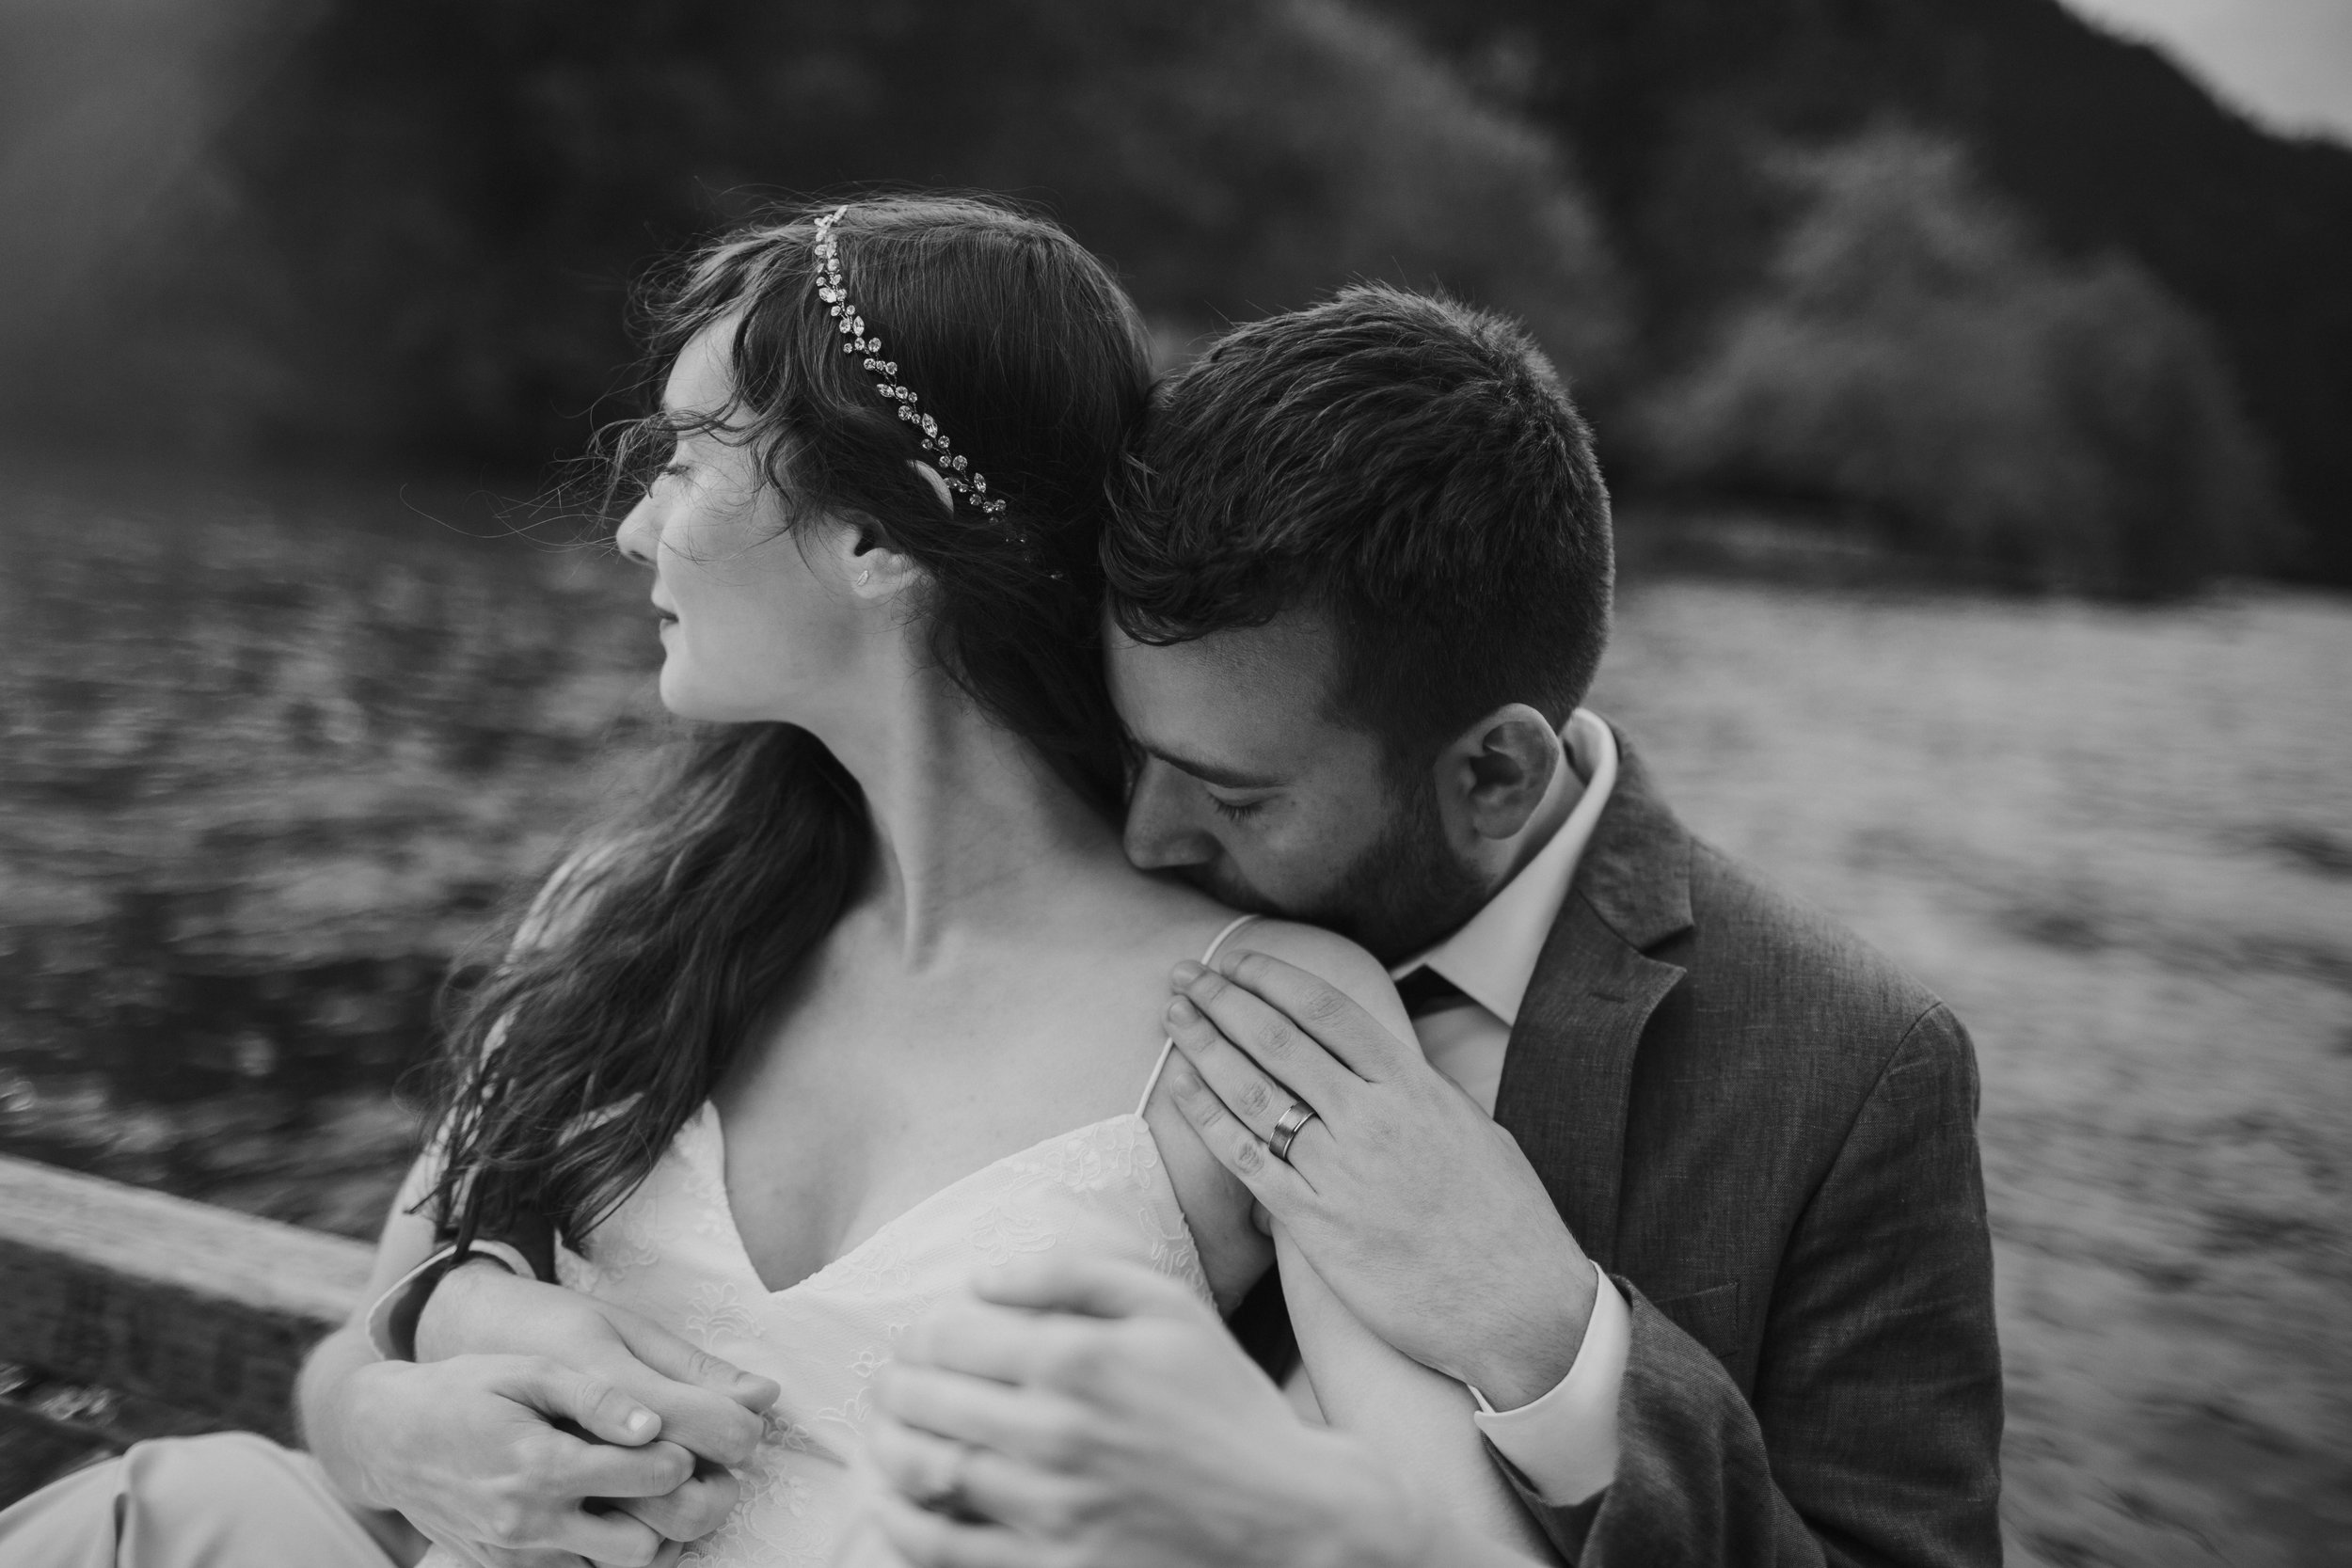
1916,358
343,229
417,232
2107,146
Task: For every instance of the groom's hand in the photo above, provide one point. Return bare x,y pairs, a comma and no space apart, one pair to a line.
1084,1413
709,1407
468,1451
699,1404
1421,1213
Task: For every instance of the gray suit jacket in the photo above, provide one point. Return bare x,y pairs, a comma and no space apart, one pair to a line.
1765,1134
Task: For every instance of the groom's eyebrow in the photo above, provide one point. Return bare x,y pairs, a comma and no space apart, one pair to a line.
1207,772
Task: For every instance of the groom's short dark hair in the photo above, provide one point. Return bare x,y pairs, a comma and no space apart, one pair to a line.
1410,468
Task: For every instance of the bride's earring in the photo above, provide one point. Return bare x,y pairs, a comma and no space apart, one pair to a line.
864,577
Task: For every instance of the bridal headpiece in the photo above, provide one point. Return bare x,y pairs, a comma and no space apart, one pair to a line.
952,469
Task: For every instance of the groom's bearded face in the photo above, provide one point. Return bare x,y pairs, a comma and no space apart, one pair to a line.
1250,786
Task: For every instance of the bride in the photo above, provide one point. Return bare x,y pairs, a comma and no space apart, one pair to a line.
865,997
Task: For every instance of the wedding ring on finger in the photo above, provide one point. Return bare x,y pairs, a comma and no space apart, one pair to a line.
1286,1130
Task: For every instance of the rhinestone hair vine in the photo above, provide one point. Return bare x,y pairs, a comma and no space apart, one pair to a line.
954,470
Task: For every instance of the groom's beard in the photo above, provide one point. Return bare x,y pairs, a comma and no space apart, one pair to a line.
1403,893
1407,891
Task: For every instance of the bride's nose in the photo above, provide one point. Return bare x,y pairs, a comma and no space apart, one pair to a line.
638,533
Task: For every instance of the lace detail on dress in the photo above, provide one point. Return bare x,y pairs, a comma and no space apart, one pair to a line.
717,1308
1118,1157
883,1264
671,1253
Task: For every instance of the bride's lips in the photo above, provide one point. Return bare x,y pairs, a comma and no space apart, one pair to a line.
663,615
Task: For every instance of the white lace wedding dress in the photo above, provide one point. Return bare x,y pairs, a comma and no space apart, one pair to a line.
671,1253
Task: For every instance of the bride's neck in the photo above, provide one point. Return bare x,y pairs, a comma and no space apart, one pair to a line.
972,826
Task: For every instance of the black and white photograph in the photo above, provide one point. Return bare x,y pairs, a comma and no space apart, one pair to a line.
1175,784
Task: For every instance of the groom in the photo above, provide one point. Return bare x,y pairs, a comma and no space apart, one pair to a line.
1677,1177
1717,1269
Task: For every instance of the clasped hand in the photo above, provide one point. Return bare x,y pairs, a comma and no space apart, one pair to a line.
542,1427
1423,1216
1086,1413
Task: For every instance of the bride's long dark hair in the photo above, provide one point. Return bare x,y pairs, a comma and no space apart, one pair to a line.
649,959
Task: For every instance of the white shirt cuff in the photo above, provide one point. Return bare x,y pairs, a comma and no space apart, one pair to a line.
1566,1442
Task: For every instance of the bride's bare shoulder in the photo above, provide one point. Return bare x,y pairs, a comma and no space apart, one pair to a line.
1183,918
1330,957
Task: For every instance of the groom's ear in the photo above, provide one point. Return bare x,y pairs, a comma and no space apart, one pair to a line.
1498,769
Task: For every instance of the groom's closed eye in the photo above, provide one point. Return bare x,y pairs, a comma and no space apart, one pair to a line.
1238,810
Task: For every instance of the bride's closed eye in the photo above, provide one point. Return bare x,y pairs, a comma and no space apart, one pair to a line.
1237,811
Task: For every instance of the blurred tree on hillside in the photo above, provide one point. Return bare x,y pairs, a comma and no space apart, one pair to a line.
1918,360
2107,146
415,235
354,229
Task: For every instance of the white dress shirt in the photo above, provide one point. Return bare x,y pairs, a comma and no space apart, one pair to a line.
1565,1443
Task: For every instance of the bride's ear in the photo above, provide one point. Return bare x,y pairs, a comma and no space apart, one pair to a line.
870,567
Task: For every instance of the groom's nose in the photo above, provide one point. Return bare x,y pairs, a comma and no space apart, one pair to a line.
1163,828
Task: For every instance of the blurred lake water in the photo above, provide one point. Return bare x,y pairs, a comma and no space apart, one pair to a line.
266,765
2118,841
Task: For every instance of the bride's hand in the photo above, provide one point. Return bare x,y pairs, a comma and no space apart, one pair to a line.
1085,1411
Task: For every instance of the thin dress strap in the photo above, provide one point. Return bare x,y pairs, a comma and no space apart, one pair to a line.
1169,1044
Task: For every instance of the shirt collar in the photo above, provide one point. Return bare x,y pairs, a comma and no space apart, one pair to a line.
1492,957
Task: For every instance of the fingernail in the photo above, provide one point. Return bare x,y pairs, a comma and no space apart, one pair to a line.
640,1423
1187,972
1182,1011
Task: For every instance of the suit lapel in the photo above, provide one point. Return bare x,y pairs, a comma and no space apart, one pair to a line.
1569,1072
